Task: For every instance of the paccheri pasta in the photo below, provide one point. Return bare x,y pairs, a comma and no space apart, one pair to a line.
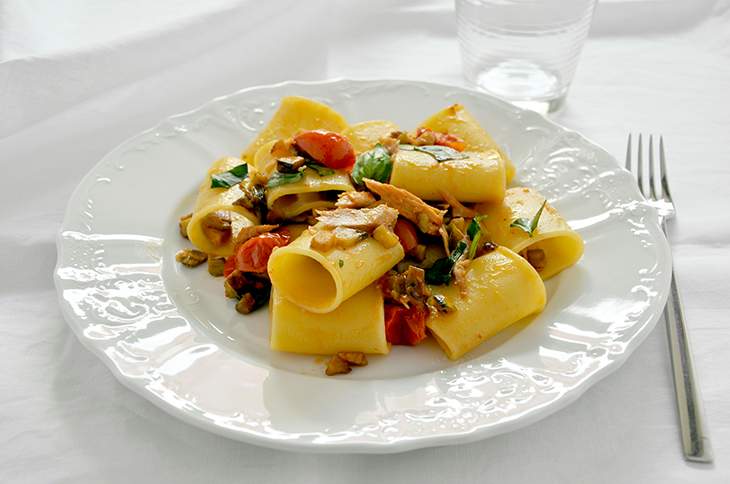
217,219
364,236
553,247
356,324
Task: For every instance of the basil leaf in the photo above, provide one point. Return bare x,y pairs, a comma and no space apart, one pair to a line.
474,231
529,226
440,271
321,169
474,226
374,164
441,153
277,179
474,245
227,179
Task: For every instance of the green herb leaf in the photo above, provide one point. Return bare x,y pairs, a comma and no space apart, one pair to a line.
340,262
374,164
474,231
529,226
474,226
474,245
321,169
440,271
441,153
229,178
277,179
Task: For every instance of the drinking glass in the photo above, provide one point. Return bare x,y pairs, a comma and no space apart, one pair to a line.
524,51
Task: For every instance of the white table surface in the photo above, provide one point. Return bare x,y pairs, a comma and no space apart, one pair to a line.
78,77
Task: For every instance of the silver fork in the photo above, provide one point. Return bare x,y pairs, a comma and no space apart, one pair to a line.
695,444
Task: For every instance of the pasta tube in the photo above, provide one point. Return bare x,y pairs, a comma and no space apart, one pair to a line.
294,114
216,204
458,121
263,160
312,191
321,281
356,325
479,177
552,247
501,289
364,136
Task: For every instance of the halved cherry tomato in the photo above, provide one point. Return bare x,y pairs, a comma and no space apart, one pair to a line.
229,266
445,139
406,232
253,255
405,326
451,141
326,147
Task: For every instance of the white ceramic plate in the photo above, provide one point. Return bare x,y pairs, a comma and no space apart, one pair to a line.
169,334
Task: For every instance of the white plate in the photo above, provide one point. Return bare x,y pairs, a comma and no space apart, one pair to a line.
169,334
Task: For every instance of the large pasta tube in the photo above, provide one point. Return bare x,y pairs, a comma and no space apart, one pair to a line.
456,120
478,178
311,192
264,160
212,202
364,136
296,113
321,281
552,247
501,289
290,206
356,325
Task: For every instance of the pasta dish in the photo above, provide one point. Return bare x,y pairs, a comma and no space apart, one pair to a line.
363,236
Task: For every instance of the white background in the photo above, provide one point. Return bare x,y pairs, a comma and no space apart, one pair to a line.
78,77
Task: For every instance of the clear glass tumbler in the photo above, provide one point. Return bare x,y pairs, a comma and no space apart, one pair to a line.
524,51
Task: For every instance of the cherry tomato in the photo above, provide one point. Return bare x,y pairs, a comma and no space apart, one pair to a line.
445,139
229,266
326,147
405,326
406,232
451,141
253,255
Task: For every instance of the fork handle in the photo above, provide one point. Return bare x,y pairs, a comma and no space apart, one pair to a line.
696,445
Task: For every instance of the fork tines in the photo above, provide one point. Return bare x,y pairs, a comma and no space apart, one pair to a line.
658,185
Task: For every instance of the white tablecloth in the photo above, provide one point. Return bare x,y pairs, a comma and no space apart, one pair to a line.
78,77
